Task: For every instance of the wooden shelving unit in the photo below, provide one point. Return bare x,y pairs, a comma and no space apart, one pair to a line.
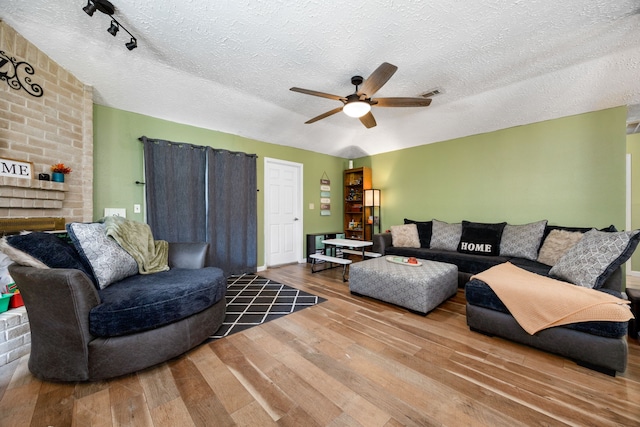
355,182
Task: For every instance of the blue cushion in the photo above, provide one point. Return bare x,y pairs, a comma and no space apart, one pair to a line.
51,249
480,294
146,301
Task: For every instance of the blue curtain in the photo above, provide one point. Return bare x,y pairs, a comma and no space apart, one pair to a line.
175,175
197,194
232,219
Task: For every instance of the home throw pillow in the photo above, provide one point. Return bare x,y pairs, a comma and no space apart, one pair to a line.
557,243
595,257
108,260
480,239
43,250
522,241
445,236
424,231
405,236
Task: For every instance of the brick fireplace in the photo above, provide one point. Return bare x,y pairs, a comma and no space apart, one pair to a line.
56,127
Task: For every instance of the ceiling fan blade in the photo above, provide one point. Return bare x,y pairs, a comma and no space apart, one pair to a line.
368,120
377,79
324,115
316,93
401,102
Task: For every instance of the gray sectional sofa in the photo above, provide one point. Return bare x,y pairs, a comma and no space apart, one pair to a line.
598,345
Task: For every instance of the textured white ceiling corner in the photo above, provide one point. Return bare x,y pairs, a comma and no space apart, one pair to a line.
228,66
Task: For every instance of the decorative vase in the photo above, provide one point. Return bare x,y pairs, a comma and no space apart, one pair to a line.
57,177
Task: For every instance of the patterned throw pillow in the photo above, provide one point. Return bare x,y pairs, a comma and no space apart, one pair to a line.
522,241
557,243
595,257
109,262
445,236
405,236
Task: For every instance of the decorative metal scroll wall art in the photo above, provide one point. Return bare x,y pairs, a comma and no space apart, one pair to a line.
11,71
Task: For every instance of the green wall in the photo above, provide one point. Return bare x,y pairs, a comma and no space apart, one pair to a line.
570,171
633,148
118,161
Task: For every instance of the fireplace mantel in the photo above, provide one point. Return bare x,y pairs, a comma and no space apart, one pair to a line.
16,193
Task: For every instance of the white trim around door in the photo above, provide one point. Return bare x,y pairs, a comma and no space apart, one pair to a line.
283,212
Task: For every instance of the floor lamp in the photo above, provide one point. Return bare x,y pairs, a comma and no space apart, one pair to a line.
372,203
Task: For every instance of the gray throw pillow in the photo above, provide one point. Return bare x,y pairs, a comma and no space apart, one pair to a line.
595,257
445,236
109,262
522,241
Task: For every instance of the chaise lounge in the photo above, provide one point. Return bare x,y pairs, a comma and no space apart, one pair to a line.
580,256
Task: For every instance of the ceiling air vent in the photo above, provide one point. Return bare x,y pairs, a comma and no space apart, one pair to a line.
432,92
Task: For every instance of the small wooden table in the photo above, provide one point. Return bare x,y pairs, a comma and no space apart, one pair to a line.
358,247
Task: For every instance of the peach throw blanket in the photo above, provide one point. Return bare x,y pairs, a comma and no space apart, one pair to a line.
538,302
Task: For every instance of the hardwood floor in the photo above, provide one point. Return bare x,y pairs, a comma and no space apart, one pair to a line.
348,361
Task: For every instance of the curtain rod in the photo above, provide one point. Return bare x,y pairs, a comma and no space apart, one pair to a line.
237,153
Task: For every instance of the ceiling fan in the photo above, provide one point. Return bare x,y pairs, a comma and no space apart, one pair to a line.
359,103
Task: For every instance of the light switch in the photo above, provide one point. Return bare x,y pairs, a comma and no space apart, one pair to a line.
136,208
115,211
312,206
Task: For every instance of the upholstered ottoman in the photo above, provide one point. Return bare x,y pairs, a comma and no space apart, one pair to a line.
418,288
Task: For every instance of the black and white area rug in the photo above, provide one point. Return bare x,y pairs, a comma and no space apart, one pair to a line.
253,300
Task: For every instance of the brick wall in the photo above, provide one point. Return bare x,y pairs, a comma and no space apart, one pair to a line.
54,128
15,335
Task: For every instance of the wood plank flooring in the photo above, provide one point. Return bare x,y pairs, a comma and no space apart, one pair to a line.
350,361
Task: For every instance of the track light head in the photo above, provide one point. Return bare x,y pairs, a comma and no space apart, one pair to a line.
90,8
113,29
132,44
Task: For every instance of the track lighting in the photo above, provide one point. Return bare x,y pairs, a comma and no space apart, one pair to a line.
132,44
89,8
107,8
113,29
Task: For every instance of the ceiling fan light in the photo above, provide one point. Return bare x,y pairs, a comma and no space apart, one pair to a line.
356,108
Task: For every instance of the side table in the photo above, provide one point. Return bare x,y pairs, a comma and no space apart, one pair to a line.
634,324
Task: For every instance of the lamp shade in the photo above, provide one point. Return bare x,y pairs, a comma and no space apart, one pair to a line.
372,198
356,108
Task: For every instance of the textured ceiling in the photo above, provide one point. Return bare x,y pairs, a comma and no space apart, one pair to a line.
228,65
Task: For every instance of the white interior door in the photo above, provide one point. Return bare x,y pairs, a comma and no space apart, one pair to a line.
283,211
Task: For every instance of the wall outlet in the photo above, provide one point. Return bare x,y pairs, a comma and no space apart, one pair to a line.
115,211
312,206
136,208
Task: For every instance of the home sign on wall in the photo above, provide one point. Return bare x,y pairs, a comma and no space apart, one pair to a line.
16,168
